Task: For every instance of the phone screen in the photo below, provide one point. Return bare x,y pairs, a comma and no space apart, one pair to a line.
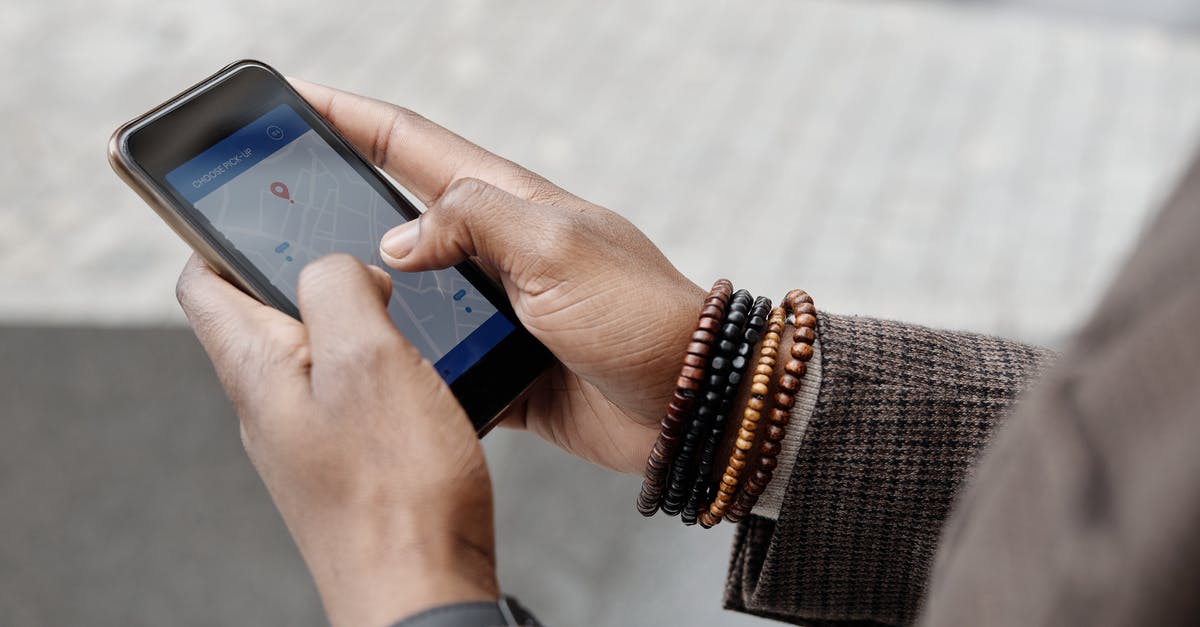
282,196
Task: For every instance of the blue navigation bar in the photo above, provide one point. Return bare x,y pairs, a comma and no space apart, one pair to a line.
475,345
235,154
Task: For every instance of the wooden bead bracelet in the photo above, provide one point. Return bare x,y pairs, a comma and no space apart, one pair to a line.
731,329
705,488
680,409
740,451
798,305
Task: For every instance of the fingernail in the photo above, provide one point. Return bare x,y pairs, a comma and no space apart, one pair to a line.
400,241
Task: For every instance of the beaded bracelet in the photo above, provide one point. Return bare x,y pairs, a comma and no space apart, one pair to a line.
799,305
704,489
679,410
751,413
689,474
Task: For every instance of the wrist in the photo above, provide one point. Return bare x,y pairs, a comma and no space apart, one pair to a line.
377,568
392,582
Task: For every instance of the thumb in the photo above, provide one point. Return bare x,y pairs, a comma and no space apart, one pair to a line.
471,219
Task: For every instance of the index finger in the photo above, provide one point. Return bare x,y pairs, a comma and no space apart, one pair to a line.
424,157
344,308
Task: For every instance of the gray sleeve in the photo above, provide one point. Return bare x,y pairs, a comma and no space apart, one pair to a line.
506,612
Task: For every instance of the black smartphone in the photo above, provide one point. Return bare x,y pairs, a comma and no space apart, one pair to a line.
258,183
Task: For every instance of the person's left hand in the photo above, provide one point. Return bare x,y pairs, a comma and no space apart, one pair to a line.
365,451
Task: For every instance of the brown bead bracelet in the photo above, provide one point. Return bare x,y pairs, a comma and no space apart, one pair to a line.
751,413
799,306
682,404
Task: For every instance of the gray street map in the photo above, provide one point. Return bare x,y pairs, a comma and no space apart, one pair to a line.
303,202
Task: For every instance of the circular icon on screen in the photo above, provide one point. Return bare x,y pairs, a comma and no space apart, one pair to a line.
274,132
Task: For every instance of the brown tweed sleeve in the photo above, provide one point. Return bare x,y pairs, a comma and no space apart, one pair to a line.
902,414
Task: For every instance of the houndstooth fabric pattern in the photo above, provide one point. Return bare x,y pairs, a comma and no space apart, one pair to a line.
902,415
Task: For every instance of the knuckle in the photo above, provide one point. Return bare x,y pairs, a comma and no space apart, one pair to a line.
462,193
532,186
392,133
184,289
286,346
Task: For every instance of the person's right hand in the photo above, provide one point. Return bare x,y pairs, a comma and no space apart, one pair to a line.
582,279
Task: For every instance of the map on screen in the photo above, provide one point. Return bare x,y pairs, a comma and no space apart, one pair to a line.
288,198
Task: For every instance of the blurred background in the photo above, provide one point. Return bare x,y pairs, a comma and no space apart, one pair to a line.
977,165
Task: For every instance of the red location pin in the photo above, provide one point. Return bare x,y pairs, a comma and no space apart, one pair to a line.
281,190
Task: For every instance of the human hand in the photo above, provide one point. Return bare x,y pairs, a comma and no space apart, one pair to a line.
367,454
582,279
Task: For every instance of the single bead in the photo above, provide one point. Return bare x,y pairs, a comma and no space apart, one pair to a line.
692,372
718,363
802,351
783,399
746,433
757,387
768,463
688,384
774,432
709,324
727,346
805,308
804,334
699,349
771,342
735,317
769,448
736,463
795,297
743,444
731,330
734,379
754,404
789,383
795,367
738,363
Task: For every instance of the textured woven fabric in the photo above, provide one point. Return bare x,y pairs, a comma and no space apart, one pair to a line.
901,416
1084,510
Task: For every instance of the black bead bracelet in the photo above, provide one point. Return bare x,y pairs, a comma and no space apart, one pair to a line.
729,339
705,487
